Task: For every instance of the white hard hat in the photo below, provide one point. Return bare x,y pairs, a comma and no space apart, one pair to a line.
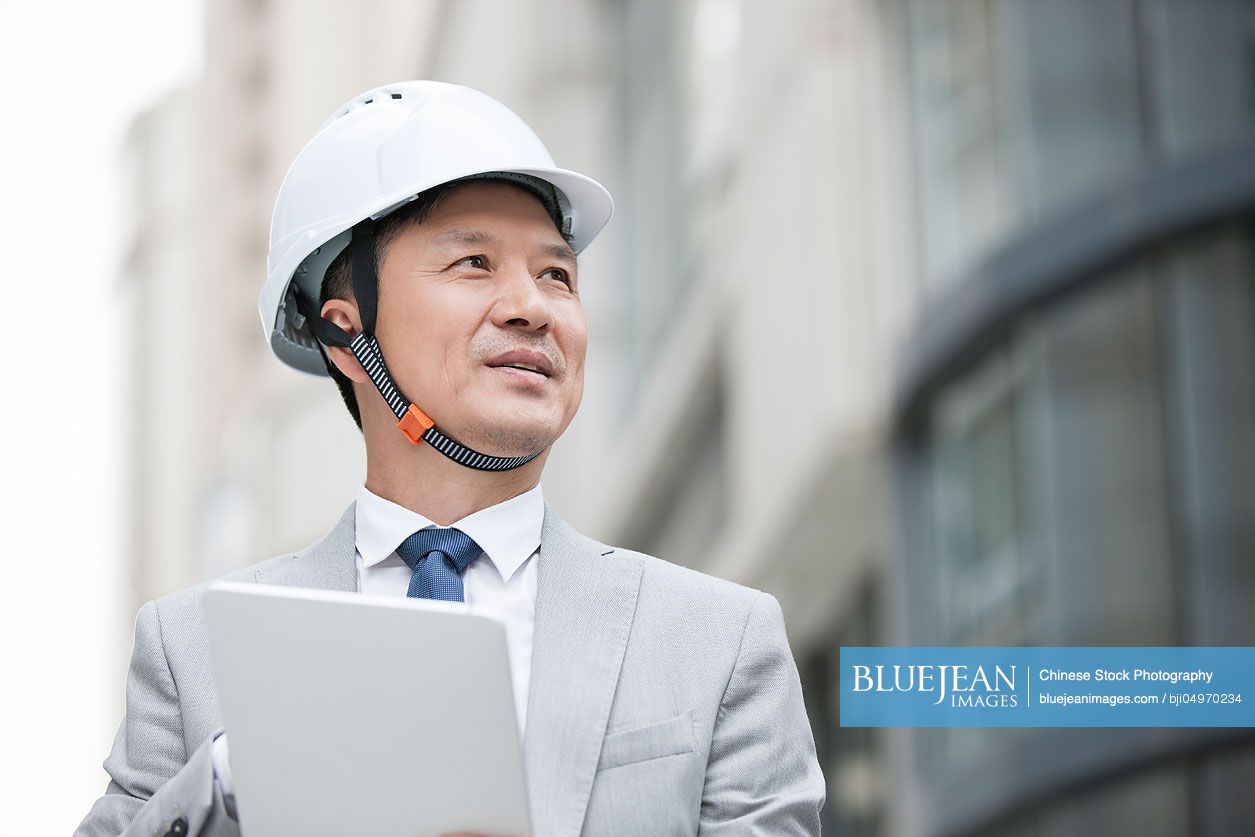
376,153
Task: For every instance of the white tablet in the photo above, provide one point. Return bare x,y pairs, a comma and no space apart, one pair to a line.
355,714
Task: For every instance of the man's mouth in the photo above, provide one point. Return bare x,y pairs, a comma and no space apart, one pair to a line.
526,366
524,361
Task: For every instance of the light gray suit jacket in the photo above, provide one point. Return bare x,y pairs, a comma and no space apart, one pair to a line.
662,701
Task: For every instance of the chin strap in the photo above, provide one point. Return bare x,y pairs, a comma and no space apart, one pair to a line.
412,421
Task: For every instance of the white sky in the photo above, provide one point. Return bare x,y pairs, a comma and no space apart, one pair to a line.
72,75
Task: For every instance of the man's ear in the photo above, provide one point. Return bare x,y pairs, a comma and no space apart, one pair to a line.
343,312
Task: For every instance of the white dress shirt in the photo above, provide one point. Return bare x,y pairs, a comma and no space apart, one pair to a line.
501,582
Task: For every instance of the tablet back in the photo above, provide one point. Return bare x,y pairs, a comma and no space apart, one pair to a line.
356,714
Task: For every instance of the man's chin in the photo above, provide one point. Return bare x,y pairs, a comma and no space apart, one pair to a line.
507,438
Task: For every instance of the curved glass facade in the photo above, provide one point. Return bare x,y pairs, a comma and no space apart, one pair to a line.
1089,481
1023,108
1082,471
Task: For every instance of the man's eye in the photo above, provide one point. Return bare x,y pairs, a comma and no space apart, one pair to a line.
478,262
559,274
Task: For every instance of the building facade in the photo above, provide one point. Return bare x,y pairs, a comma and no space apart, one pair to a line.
1075,418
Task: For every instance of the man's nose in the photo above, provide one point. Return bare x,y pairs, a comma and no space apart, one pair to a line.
520,302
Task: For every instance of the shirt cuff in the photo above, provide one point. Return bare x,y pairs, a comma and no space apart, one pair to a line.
222,774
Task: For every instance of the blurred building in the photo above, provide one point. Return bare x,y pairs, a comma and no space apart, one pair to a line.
934,318
1075,416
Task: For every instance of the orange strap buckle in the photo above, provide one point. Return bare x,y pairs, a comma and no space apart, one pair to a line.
414,424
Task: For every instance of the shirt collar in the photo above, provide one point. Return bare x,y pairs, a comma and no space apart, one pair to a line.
508,532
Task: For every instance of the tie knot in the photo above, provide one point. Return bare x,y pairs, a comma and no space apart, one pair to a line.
453,544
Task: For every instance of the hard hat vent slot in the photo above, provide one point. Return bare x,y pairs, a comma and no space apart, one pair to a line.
396,95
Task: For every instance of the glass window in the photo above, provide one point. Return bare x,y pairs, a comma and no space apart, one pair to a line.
1201,55
1018,107
714,101
1154,804
980,574
1073,78
1226,804
980,586
1210,288
962,200
1095,464
1047,492
651,206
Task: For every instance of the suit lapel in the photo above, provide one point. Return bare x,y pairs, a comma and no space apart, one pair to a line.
329,564
585,602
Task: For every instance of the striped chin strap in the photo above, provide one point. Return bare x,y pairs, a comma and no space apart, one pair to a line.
414,423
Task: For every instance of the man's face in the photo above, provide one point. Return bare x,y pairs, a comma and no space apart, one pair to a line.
486,285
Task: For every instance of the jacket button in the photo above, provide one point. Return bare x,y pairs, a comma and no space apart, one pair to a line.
178,828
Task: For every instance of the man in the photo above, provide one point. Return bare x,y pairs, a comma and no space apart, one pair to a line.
427,223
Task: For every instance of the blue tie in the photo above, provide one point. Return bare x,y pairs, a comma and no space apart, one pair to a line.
438,557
